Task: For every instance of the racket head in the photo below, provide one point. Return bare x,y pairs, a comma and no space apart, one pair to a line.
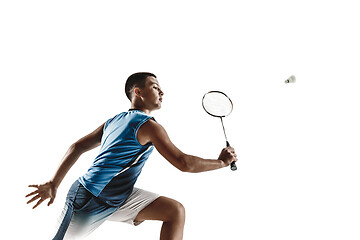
217,104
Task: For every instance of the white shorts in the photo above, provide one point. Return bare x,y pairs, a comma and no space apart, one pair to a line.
136,202
71,228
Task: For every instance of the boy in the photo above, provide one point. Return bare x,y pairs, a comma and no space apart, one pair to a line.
107,190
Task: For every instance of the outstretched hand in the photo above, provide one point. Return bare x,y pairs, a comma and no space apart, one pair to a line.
43,192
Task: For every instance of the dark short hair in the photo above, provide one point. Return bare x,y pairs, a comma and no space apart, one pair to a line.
136,80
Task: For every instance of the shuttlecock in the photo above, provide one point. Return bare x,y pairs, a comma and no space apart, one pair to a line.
291,79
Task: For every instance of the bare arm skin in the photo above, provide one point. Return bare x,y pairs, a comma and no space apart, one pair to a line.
153,132
48,189
81,146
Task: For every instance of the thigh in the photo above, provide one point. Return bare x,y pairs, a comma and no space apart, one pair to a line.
161,209
88,218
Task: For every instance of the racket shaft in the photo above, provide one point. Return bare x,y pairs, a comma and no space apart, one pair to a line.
222,124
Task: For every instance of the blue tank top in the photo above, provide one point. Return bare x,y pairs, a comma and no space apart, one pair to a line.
112,176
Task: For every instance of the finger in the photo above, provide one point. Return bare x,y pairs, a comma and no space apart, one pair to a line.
38,203
33,199
51,201
30,194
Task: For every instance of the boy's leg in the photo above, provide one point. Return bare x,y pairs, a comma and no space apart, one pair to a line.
82,214
168,210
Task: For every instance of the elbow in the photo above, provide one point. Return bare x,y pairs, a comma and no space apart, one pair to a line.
185,163
77,147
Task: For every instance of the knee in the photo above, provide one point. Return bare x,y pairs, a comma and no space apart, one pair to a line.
177,212
180,210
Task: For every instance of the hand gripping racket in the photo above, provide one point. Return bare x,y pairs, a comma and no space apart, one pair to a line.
218,104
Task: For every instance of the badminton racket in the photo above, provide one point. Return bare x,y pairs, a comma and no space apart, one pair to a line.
218,104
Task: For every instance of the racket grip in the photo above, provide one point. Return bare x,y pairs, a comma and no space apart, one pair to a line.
233,166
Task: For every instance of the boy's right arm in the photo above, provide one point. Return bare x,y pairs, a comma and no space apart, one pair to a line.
48,190
153,132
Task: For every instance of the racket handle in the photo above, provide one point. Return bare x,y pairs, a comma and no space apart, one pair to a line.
233,166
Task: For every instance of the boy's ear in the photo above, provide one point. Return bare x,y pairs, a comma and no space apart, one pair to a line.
137,92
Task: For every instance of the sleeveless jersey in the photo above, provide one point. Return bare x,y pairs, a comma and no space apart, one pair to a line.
112,176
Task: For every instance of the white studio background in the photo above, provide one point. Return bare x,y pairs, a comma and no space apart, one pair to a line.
62,69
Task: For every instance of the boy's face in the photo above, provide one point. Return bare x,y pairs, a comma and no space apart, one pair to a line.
151,94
